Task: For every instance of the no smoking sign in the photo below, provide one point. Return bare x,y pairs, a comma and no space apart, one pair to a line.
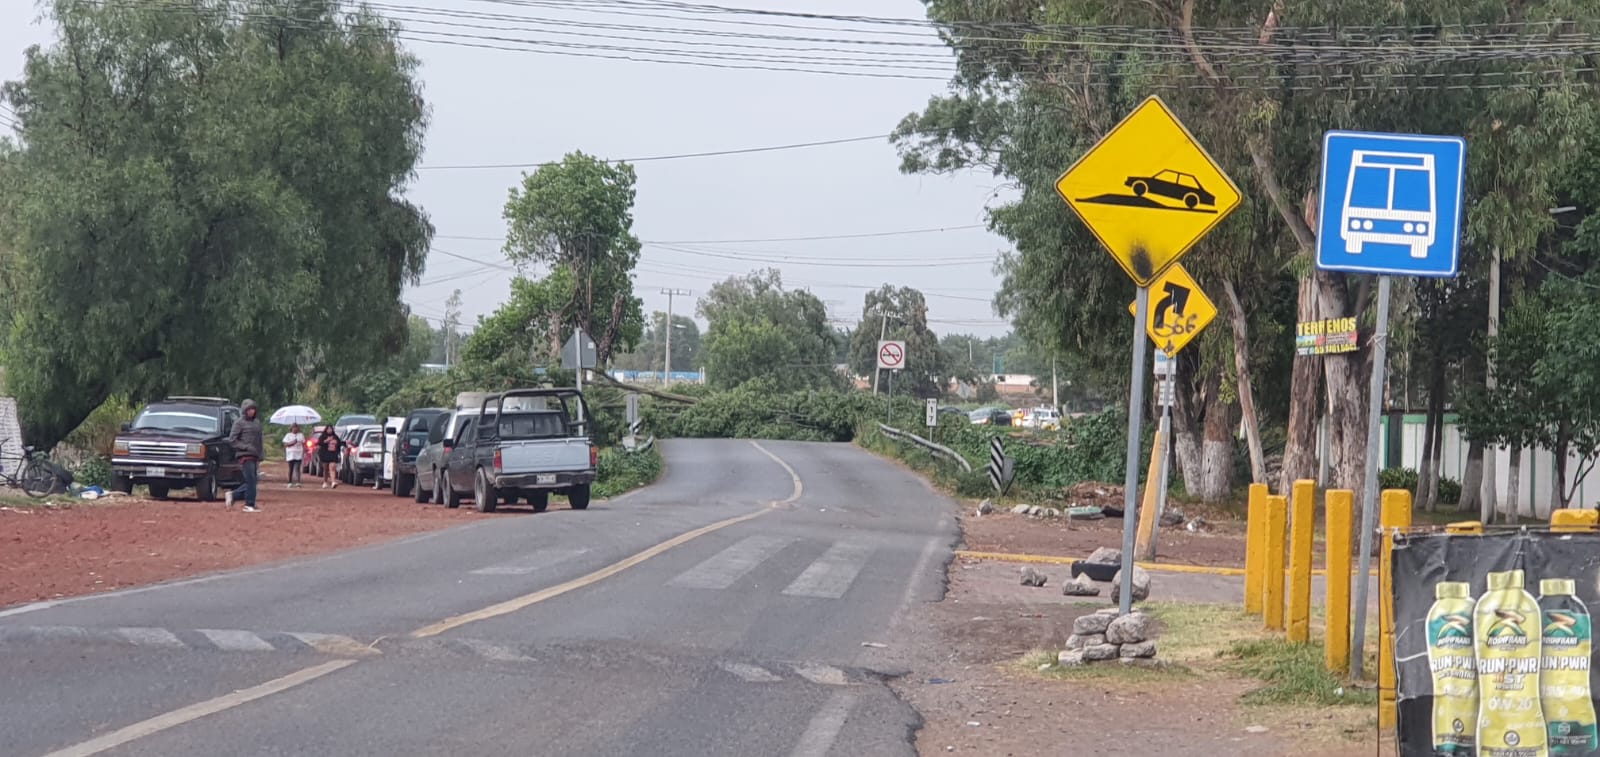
891,355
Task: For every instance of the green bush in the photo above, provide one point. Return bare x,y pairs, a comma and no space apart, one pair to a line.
1399,478
93,471
621,471
753,411
1449,490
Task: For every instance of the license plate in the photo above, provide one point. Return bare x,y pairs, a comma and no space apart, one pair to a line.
545,478
155,472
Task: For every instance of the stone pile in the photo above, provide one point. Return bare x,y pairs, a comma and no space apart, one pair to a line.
1105,636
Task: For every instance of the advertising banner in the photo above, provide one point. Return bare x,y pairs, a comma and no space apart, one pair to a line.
1493,644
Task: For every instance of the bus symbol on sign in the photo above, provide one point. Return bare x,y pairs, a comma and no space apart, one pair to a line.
1391,204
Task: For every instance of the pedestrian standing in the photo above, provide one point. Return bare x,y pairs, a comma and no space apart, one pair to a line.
248,445
294,451
328,446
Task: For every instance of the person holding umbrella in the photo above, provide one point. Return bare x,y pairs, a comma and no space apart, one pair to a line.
294,443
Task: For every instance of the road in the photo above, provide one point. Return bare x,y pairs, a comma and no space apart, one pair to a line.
746,604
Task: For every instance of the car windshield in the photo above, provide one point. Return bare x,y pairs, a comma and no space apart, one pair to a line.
356,420
177,419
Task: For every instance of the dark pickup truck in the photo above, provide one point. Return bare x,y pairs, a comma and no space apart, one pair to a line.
523,443
409,443
178,443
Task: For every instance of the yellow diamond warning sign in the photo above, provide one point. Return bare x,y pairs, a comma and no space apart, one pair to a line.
1178,310
1148,191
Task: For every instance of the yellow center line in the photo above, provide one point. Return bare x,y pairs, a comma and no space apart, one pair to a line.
528,600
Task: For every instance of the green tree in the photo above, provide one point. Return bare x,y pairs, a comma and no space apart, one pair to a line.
650,355
900,313
757,329
201,200
577,215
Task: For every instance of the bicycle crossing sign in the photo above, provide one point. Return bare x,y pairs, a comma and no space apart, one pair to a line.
1178,312
1148,191
1391,204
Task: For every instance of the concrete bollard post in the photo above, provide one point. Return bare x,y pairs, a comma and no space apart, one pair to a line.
1396,513
1336,642
1272,568
1255,549
1300,537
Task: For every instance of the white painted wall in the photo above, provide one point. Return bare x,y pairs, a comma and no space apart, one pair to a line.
1536,477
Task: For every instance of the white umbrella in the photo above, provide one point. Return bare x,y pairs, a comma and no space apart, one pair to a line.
295,414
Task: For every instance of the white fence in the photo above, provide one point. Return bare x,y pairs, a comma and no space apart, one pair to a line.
1535,480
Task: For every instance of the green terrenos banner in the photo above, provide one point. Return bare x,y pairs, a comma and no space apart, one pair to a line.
1493,644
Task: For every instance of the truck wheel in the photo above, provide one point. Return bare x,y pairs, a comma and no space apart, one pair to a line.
159,491
452,500
539,500
579,497
121,483
205,489
401,485
484,493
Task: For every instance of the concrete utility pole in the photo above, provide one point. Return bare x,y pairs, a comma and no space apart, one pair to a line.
883,333
1055,385
666,374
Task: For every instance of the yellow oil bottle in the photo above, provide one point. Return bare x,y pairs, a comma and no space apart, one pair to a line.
1506,631
1455,677
1566,642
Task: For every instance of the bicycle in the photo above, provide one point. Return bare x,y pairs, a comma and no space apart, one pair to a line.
35,476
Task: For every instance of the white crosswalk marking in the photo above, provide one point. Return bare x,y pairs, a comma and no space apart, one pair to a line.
831,575
731,564
237,641
536,561
749,673
151,637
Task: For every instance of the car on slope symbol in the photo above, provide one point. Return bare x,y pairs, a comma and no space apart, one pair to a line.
1173,185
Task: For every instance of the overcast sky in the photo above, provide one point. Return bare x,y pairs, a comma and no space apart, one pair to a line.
496,106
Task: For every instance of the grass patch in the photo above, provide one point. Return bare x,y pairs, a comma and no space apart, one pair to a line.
1294,673
621,471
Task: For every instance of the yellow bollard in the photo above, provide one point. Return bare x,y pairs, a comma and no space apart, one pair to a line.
1143,548
1396,513
1336,643
1300,530
1272,567
1574,521
1255,549
1470,527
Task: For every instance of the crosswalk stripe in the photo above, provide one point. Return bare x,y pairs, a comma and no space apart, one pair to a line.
151,637
537,561
832,573
236,641
749,673
728,566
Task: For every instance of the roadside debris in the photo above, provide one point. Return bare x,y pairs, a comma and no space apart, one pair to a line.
985,507
1031,577
1080,586
1105,636
1141,585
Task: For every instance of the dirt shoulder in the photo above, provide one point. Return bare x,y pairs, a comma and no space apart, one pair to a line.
1223,544
80,547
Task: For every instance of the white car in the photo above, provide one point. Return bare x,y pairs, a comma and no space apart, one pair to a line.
1043,418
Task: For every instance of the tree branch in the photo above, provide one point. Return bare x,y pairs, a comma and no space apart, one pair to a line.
669,396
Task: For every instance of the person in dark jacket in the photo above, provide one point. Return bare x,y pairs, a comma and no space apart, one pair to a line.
328,446
248,446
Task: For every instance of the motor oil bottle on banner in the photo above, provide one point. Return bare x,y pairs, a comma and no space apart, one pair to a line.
1505,628
1455,677
1564,673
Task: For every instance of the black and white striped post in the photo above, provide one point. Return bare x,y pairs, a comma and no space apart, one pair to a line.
997,462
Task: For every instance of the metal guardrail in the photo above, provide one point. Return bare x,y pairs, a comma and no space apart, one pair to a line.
931,446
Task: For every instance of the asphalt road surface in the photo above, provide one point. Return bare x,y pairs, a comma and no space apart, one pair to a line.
744,605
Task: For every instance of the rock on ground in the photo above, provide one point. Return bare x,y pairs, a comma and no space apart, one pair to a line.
1070,658
1172,516
1019,510
1082,586
1105,556
1031,577
1141,585
1079,641
1129,629
985,507
1139,649
1091,624
1101,652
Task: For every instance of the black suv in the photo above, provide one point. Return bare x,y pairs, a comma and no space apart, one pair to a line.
178,443
413,437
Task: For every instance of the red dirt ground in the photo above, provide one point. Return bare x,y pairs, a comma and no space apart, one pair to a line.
80,547
1059,537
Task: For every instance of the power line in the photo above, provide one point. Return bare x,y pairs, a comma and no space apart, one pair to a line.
678,156
814,238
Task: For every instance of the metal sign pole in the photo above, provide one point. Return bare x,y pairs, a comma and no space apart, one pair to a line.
1130,493
1369,499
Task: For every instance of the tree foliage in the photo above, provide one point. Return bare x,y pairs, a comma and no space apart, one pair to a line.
577,216
200,200
901,313
757,328
651,353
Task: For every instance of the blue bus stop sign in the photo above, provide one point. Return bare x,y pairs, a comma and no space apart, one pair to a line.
1391,204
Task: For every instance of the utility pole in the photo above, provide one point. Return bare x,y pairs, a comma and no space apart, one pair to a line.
1055,385
666,374
883,333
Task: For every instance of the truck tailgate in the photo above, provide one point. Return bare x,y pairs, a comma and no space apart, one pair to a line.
544,456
